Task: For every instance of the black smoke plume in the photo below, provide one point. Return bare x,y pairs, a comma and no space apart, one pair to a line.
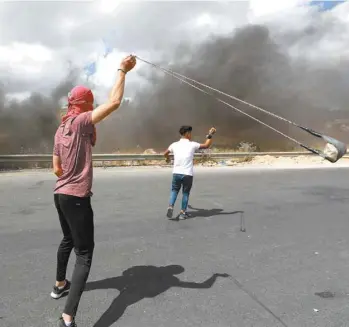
250,65
29,126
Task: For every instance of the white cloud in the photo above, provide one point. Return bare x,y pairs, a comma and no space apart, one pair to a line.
25,59
74,34
109,6
342,11
17,96
68,24
21,52
304,31
150,29
205,20
261,10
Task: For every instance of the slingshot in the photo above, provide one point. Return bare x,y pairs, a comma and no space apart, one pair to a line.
333,151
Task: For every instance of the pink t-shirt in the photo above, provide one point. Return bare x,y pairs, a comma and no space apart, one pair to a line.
74,147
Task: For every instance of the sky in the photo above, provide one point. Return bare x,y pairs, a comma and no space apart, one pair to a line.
44,43
39,41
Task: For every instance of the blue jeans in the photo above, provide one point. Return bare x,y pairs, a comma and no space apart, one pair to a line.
178,181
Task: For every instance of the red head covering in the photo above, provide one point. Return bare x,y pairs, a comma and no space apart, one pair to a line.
80,99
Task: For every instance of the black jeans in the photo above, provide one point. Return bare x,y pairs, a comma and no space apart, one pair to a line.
76,218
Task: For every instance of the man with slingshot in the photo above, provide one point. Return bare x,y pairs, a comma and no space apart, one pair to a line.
72,164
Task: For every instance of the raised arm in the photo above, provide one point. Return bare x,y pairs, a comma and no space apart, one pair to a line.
208,142
116,93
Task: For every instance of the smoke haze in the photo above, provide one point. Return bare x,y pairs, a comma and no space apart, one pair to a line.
272,65
28,126
250,65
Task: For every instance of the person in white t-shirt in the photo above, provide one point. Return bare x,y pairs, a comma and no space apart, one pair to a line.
183,152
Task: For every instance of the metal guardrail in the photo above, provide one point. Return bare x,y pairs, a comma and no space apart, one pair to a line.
47,158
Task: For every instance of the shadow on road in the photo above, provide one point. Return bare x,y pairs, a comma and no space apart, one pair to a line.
140,282
205,213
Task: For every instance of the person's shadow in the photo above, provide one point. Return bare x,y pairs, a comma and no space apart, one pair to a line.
140,282
205,213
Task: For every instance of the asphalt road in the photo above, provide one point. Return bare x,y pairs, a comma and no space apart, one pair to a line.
295,248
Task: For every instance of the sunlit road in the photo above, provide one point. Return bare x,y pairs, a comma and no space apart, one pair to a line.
295,245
